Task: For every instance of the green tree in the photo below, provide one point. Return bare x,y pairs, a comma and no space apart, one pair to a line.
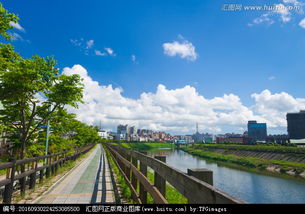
5,19
66,134
30,89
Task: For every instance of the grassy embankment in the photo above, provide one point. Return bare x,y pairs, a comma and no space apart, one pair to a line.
173,196
259,148
151,147
249,162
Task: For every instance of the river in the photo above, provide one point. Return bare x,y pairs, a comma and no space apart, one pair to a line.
247,186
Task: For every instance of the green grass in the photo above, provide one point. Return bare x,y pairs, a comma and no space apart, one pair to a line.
173,196
126,192
259,148
145,146
249,162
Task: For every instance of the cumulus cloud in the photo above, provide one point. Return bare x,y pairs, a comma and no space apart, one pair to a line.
178,110
184,49
17,26
273,107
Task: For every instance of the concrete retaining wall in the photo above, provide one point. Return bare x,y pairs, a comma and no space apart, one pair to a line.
300,158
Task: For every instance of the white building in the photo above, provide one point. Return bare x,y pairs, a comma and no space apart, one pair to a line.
103,134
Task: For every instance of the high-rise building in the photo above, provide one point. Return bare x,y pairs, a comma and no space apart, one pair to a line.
132,130
257,131
197,137
296,125
122,129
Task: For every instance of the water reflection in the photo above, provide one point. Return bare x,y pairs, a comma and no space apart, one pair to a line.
247,186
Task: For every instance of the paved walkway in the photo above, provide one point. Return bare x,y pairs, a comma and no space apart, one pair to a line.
88,183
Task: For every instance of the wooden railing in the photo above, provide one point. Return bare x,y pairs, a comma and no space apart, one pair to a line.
196,185
46,165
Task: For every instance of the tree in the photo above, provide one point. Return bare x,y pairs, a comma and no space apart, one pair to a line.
30,89
5,22
67,133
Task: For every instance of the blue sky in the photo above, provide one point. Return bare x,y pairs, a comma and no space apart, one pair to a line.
234,52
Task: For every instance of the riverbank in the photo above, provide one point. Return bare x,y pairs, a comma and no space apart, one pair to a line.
145,146
276,167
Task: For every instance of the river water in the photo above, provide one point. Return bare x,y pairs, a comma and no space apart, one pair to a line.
247,186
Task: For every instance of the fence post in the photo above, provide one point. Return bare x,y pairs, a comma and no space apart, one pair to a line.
65,154
128,175
52,166
76,153
22,180
134,180
60,161
143,192
41,176
48,166
8,191
205,175
56,165
33,175
160,183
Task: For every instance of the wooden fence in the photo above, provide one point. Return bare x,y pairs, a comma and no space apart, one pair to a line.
196,185
30,167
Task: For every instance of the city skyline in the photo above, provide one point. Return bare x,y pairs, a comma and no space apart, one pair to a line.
165,66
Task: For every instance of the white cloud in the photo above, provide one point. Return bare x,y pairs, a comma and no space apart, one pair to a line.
17,26
271,78
110,51
77,42
263,19
99,53
273,107
178,110
134,59
290,1
87,47
302,23
89,44
185,49
16,36
283,12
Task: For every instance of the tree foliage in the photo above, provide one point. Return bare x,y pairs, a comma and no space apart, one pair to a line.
5,22
32,91
66,133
